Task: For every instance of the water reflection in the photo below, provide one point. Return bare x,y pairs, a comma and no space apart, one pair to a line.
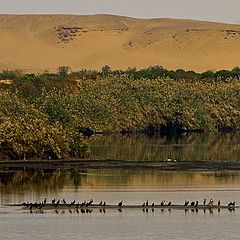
116,179
209,147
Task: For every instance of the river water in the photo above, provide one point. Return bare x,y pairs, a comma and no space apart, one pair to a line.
131,186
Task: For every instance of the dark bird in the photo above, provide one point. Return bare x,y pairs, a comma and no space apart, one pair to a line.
57,203
64,201
120,204
196,204
192,204
45,201
219,203
100,204
169,203
104,204
186,203
90,202
152,205
53,201
204,201
143,205
162,203
147,203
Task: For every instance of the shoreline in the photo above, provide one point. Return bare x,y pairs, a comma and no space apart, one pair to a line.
119,164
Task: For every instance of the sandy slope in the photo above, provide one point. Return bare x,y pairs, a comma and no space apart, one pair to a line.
38,42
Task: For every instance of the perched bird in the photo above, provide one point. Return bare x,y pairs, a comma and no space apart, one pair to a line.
219,203
210,202
104,204
64,201
147,203
90,202
152,205
120,204
196,204
162,203
192,204
169,203
57,203
53,201
143,205
186,203
45,201
204,201
100,204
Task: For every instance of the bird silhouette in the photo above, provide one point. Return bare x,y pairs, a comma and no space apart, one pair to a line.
120,204
186,203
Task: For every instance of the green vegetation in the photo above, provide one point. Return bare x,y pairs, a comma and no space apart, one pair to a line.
45,115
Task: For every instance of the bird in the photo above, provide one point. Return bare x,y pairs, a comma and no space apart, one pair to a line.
100,204
57,203
53,201
196,204
204,201
169,203
104,204
64,201
210,202
219,203
90,202
147,203
162,203
192,204
186,203
143,205
120,204
45,201
152,205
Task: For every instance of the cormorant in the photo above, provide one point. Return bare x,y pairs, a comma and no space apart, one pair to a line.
169,203
186,203
152,205
192,204
219,203
100,204
120,204
143,205
147,203
204,201
162,203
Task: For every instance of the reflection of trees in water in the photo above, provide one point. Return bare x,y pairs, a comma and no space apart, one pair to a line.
55,181
210,147
39,180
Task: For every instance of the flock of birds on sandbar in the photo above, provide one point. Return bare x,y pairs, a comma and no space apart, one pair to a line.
88,206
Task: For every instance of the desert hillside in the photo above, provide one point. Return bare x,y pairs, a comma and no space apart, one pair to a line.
39,42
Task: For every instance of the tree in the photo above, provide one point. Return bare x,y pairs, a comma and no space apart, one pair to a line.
106,70
63,71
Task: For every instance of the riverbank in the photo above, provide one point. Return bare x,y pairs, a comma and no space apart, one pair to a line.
119,164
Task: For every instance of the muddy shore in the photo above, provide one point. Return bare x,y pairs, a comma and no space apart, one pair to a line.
119,164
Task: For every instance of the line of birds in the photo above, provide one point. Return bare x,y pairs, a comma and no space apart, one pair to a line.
55,203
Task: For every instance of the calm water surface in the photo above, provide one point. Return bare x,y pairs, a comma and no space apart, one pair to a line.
131,186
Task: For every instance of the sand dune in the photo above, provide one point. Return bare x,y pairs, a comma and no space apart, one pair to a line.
39,42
